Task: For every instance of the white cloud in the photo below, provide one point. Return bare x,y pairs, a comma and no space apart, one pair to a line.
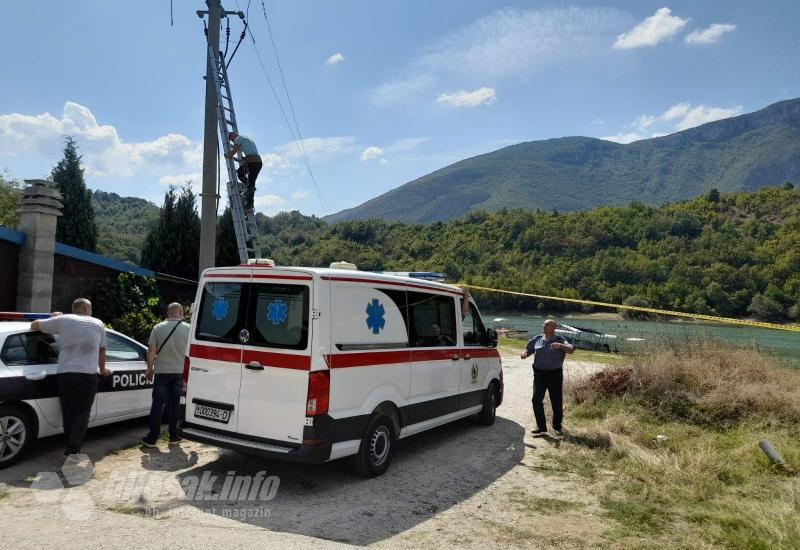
335,59
654,29
464,98
680,116
509,43
323,148
710,35
703,114
268,200
180,179
598,122
371,153
300,195
105,153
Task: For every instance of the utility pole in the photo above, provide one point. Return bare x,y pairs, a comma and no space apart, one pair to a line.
209,195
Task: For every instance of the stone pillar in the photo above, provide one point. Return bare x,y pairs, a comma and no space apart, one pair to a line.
38,212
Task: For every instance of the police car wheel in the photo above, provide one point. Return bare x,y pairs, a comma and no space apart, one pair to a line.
376,449
16,434
488,413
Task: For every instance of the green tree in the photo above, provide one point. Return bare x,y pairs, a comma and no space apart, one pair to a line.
172,245
227,249
76,226
10,196
713,195
765,308
129,304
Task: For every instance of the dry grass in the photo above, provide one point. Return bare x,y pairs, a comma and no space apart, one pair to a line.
706,383
679,464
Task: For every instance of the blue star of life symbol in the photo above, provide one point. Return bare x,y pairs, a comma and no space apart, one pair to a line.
375,313
276,312
219,309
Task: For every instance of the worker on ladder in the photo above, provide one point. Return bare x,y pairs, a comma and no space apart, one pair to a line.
249,169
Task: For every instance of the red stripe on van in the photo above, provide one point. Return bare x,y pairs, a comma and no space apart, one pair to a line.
278,360
393,283
228,275
377,358
230,355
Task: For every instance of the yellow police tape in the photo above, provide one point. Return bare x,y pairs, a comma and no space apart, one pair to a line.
713,318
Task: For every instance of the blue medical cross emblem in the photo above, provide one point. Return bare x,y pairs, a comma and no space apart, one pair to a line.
375,313
220,308
276,312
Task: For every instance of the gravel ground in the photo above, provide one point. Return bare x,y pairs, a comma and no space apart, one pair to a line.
461,485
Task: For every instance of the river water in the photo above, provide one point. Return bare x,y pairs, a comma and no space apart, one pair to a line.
632,334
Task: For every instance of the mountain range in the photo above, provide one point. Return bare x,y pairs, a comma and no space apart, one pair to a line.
742,153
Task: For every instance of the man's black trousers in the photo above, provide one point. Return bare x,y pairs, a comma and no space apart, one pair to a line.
77,392
550,381
248,172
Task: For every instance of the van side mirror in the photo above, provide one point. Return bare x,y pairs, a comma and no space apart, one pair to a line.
492,336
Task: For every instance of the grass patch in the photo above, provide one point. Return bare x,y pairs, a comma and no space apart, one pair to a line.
669,446
516,345
4,494
540,505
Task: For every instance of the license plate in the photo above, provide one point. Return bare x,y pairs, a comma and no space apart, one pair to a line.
212,413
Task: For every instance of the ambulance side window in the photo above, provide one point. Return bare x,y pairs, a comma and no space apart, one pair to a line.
279,317
218,319
474,331
433,320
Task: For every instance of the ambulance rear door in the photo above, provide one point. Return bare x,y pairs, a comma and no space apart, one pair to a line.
277,355
215,350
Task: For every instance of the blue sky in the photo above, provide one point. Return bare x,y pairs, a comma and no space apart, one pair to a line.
384,92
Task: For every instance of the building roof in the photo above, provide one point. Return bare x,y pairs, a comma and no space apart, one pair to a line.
18,238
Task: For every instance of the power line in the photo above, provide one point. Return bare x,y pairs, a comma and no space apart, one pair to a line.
295,135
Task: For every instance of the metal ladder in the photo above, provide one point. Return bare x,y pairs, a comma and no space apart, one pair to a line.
244,225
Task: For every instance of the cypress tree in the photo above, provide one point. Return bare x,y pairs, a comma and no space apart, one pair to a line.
76,227
227,249
172,245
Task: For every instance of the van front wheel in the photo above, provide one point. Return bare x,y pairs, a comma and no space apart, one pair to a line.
488,412
377,445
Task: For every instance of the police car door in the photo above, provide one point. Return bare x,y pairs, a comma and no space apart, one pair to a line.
33,357
276,357
126,391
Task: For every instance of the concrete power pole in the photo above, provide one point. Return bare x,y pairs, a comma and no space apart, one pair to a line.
208,211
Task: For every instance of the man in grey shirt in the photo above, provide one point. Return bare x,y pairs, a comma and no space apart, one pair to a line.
548,352
81,356
165,353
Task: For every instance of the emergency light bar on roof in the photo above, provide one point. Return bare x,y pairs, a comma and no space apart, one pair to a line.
15,316
424,275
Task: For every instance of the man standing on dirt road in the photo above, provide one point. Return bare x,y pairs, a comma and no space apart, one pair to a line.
81,355
165,353
548,352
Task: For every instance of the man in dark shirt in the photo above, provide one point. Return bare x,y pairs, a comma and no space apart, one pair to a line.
548,352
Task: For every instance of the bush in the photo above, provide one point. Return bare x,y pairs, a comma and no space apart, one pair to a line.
706,383
129,304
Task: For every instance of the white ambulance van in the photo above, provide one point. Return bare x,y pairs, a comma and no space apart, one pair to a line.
314,364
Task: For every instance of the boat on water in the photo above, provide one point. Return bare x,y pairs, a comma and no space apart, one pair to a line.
588,338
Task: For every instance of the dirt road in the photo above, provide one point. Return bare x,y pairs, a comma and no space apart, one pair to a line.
459,485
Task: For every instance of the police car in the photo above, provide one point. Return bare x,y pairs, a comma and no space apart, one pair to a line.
29,404
316,364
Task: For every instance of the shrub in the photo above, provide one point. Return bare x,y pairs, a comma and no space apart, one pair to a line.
707,383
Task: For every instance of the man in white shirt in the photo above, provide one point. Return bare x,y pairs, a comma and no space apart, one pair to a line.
81,357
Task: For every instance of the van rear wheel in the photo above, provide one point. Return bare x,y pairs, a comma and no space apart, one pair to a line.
488,413
376,449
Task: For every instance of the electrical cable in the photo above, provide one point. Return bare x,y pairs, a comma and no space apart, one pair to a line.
295,136
227,36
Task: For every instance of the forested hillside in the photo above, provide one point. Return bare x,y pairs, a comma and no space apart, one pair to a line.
730,254
122,223
741,153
